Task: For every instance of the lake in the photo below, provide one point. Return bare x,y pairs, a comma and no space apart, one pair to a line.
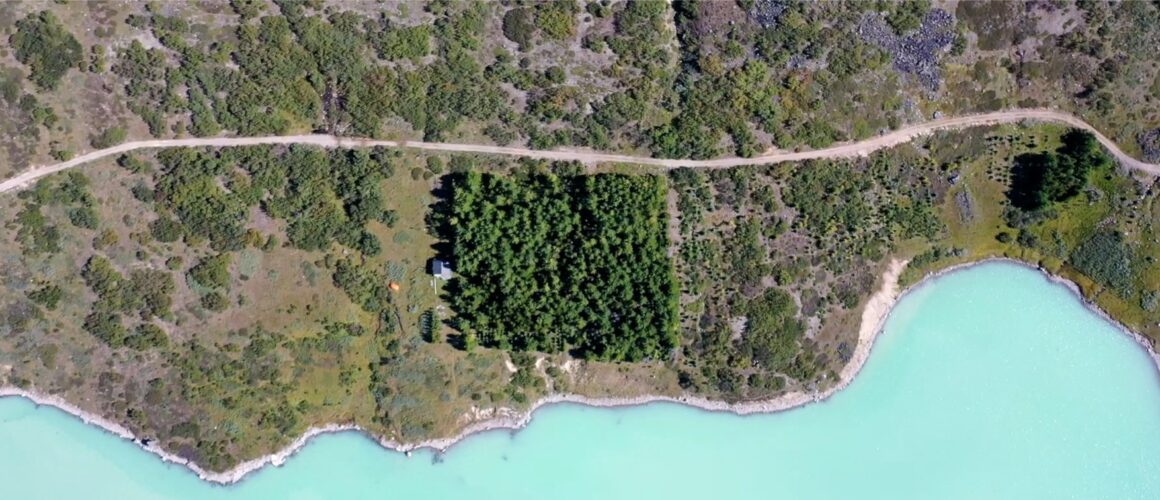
991,382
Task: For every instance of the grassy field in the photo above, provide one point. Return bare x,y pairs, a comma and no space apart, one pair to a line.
1113,201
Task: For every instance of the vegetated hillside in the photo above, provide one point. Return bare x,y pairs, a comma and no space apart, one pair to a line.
219,302
775,261
1064,205
691,79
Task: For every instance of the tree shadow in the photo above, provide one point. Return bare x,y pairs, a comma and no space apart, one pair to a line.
457,340
1027,176
439,217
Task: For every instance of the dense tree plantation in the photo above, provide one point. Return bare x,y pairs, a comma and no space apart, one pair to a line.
549,263
1040,179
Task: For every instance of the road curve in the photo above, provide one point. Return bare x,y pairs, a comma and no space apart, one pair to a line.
844,150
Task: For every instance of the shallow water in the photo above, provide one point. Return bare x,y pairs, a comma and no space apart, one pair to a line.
988,383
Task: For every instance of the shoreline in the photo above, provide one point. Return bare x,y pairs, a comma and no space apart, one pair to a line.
874,316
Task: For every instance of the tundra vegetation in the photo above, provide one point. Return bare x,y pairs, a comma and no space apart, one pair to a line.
220,301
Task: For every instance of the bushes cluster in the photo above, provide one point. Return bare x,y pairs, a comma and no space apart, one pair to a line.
363,285
742,329
36,234
553,20
188,185
46,47
317,69
327,197
1107,259
212,272
772,330
48,296
829,201
836,207
247,376
307,70
145,293
24,109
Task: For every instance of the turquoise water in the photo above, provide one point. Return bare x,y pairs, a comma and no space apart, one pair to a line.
988,383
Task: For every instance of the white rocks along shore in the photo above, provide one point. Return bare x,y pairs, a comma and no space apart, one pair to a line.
874,315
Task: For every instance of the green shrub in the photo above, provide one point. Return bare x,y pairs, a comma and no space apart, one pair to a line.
214,301
518,27
166,230
46,47
109,137
906,15
403,42
212,272
106,326
48,296
555,75
59,154
1107,259
147,336
1150,301
134,165
557,20
83,217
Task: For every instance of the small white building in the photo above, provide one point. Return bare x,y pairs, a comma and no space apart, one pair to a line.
441,269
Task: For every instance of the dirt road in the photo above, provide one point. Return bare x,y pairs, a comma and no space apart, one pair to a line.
845,150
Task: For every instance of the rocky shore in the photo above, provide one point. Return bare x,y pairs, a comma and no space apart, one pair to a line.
873,318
